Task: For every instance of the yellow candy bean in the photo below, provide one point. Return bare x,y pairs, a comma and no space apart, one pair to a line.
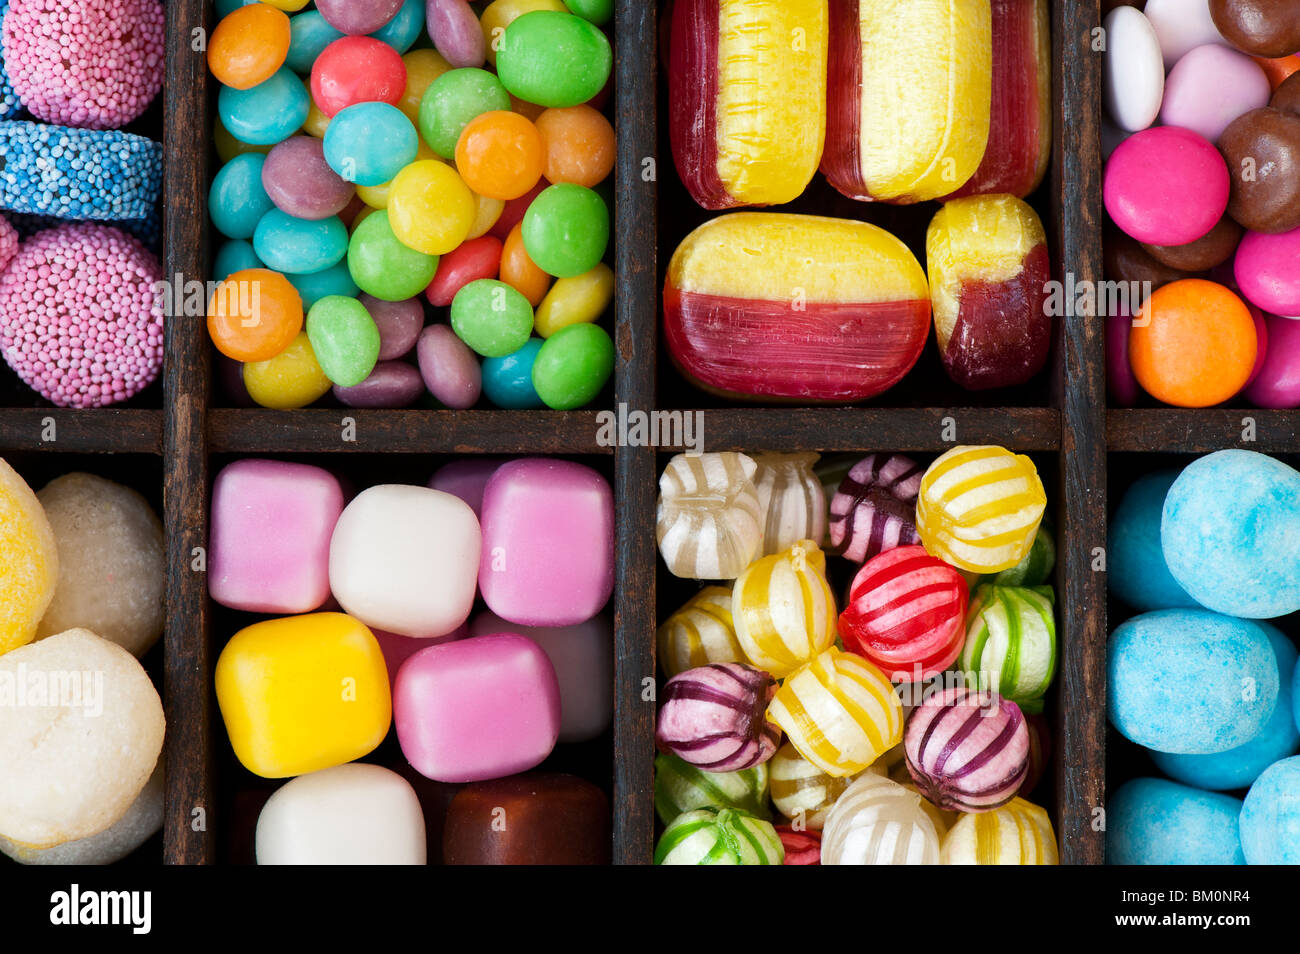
293,378
486,213
289,6
228,146
303,693
571,301
430,208
317,122
422,68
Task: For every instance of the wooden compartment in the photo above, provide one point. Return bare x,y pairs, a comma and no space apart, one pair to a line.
1059,420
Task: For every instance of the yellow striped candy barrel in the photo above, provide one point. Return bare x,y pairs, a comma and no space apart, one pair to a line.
708,524
840,712
792,499
747,98
800,790
699,633
1019,833
726,837
979,508
879,822
1011,642
784,610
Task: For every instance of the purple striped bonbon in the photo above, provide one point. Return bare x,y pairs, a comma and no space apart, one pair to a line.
875,507
967,751
715,717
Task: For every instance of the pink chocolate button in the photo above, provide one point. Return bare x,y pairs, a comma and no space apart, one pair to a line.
1166,186
477,709
269,545
1268,270
548,542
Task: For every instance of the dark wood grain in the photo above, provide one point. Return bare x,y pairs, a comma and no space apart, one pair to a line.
636,200
404,432
1202,431
1076,178
187,686
83,430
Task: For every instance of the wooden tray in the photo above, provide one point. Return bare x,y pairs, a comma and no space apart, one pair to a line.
1062,422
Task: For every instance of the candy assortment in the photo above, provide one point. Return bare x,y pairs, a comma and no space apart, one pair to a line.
1206,556
1202,178
880,736
368,171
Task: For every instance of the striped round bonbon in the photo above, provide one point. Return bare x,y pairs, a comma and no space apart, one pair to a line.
726,837
791,498
1011,641
713,717
874,508
708,524
783,609
979,508
967,751
1020,833
800,790
78,173
801,847
879,822
906,613
1036,567
699,633
681,787
839,712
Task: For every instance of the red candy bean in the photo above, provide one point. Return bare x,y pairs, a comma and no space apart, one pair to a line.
472,260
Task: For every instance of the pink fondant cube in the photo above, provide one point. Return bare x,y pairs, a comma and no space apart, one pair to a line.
477,709
269,543
466,479
548,542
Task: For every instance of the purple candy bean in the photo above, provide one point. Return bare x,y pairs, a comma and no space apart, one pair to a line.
391,384
456,32
358,17
300,181
399,324
450,369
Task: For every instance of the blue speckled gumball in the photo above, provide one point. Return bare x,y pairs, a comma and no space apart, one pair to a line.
234,256
1151,821
1136,572
268,112
1190,681
237,200
1231,534
508,381
1270,818
1239,767
300,246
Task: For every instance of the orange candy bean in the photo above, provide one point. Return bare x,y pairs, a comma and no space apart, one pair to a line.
577,145
249,45
1193,344
499,154
254,315
520,272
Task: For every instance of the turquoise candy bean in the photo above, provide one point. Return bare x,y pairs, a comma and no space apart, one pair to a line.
452,100
268,112
309,34
382,266
573,365
554,59
508,380
301,246
369,143
566,230
491,317
405,28
335,280
227,7
598,12
345,339
234,256
237,201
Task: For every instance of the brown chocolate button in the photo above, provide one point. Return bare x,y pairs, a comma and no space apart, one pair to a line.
1125,260
1213,248
1287,96
1267,28
1262,149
